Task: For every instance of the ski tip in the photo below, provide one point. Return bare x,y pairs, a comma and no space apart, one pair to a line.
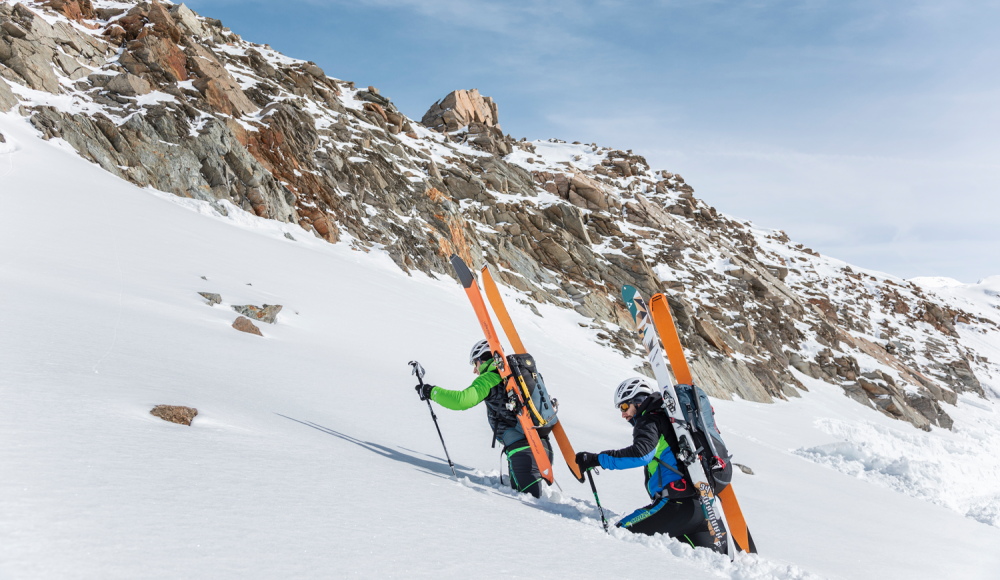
628,292
464,274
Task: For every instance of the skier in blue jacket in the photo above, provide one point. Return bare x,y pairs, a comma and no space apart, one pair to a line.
675,509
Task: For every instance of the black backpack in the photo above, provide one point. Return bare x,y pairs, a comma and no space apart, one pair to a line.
700,415
536,396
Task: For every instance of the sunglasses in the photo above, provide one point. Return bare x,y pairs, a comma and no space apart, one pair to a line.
625,406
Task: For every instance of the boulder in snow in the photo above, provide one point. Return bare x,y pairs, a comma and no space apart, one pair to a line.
243,324
175,414
268,313
213,299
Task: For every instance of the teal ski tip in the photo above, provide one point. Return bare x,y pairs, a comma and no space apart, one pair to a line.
628,295
464,274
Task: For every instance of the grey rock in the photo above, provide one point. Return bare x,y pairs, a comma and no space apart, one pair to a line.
189,20
7,98
32,61
267,313
129,85
213,299
100,80
73,69
745,469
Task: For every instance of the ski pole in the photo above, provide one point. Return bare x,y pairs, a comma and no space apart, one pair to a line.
419,371
598,500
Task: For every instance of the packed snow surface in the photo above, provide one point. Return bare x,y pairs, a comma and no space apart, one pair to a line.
311,456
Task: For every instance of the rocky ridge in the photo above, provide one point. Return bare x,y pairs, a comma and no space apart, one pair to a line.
165,98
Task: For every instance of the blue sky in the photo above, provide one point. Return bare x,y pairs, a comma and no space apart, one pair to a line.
869,131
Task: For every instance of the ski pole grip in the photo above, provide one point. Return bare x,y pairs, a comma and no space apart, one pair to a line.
419,371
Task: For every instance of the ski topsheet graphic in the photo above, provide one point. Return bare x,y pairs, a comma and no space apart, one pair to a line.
687,451
493,295
510,380
664,322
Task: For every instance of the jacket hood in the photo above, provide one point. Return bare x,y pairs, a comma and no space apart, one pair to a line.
487,366
652,402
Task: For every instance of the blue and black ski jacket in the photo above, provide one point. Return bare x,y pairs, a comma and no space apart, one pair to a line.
650,448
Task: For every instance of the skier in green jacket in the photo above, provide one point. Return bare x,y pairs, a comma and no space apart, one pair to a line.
488,387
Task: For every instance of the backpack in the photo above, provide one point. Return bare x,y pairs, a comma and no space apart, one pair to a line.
536,396
712,451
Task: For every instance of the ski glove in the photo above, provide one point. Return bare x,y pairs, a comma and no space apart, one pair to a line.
424,391
586,460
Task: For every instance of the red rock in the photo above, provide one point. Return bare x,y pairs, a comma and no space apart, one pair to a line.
243,324
156,54
215,83
376,108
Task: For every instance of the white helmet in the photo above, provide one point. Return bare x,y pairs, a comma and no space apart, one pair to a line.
629,388
479,349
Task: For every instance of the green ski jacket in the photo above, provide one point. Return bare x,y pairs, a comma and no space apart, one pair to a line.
487,387
473,394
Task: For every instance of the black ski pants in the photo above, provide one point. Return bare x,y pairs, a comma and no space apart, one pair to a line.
522,469
682,519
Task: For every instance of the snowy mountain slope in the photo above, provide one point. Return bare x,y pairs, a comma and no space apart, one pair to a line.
160,96
311,455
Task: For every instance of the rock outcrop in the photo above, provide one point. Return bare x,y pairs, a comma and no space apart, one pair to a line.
461,108
175,414
7,98
178,102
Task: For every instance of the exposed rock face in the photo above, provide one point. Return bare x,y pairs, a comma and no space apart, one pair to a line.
243,324
175,414
230,122
128,85
7,99
268,314
461,108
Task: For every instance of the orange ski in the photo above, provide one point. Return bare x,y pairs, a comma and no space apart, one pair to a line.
476,298
660,311
493,294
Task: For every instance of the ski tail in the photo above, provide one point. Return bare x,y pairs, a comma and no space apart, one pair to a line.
734,517
664,321
468,282
496,301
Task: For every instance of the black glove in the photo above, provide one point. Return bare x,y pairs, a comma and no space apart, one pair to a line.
424,391
586,460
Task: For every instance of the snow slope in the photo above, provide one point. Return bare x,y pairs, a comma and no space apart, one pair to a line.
311,455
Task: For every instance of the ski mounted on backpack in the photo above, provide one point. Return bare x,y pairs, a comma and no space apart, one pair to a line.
692,400
687,452
493,295
512,371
